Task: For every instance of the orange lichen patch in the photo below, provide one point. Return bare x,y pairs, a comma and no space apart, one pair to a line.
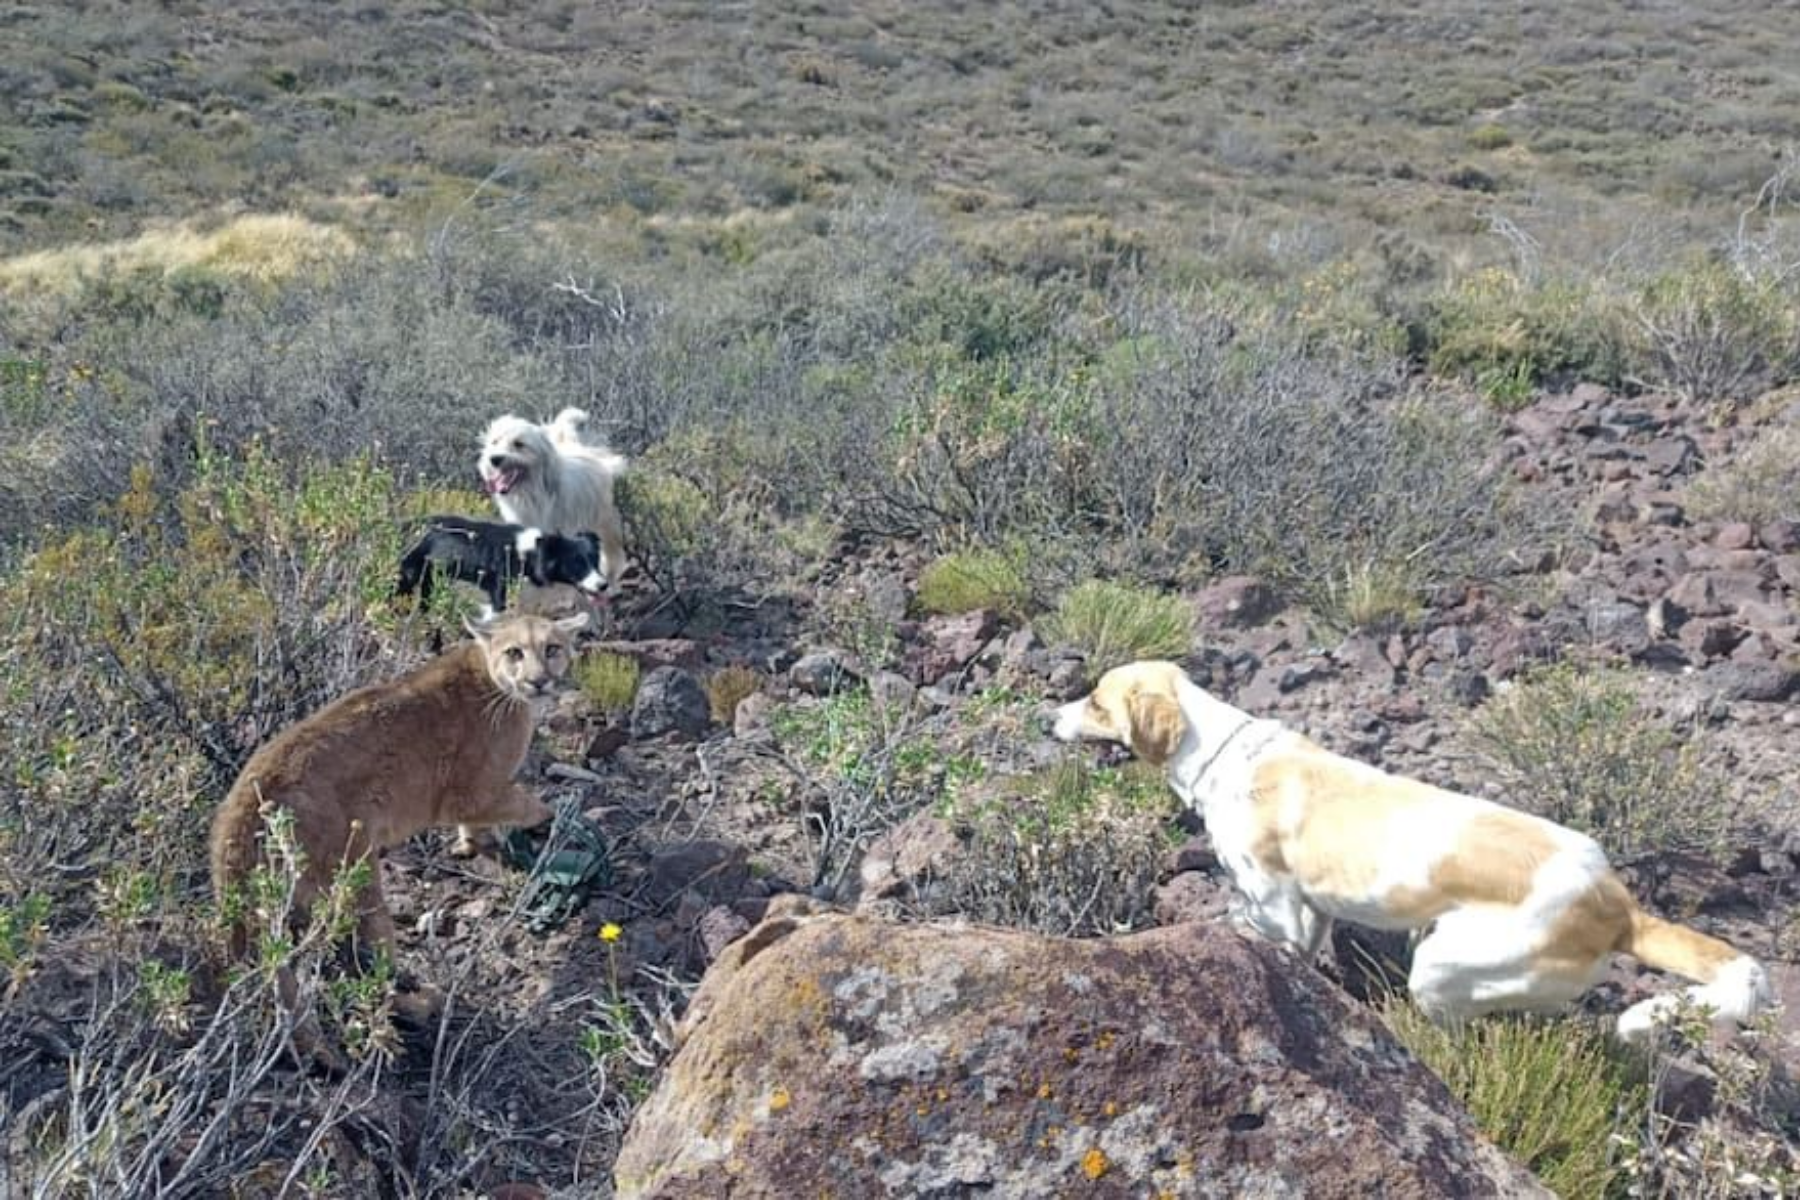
1110,1108
1104,1041
1044,1091
1094,1163
1071,1054
779,1100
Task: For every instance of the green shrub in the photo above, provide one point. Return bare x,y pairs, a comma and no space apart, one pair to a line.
966,580
1508,336
1761,484
1572,744
1711,333
152,654
1490,137
667,518
608,680
1071,850
1113,623
865,767
1556,1094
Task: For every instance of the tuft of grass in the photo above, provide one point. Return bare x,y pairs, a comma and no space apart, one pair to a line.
609,681
1114,623
264,248
965,580
1574,745
1373,594
1553,1093
727,687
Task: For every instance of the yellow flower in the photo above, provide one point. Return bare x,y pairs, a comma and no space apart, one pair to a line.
779,1100
1094,1164
610,932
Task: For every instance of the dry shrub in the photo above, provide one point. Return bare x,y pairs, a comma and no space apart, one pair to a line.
1071,850
1761,484
1714,334
1573,745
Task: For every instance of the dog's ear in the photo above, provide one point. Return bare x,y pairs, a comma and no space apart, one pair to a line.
1157,726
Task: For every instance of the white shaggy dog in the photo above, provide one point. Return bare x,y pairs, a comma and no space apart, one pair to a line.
546,477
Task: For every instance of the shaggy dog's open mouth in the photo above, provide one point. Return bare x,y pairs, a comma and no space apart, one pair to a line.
502,481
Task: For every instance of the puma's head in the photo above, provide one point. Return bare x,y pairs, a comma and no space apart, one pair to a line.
527,655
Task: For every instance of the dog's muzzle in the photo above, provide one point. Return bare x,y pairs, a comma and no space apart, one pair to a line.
498,480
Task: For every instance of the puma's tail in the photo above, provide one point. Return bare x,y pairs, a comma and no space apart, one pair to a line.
235,853
1733,985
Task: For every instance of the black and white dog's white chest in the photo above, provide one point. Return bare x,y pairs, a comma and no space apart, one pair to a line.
491,555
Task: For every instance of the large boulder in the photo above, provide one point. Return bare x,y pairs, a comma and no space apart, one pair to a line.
832,1054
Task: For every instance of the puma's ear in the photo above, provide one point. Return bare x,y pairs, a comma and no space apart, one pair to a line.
573,624
481,628
1157,727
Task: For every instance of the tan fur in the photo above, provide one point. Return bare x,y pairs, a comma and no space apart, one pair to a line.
1522,912
1494,861
1671,947
1156,727
437,746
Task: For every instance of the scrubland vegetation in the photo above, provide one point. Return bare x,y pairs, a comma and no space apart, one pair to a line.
1087,308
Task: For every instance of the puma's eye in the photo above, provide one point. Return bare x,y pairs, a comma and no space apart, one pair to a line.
514,654
552,651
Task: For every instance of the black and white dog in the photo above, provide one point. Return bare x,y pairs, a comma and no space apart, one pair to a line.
491,555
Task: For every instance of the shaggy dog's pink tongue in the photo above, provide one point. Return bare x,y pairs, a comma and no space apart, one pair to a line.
500,484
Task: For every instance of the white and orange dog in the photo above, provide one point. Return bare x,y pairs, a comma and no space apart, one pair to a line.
547,477
1523,912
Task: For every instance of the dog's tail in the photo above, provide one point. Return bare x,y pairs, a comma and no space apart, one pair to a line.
1735,986
569,429
569,425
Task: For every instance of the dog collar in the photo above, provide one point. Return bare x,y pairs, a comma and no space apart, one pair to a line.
1229,738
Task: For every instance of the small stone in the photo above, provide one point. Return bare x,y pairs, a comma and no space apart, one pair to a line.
1449,643
1765,681
752,715
821,673
1237,601
670,700
574,774
1620,625
606,743
1779,536
1711,638
891,692
1737,535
